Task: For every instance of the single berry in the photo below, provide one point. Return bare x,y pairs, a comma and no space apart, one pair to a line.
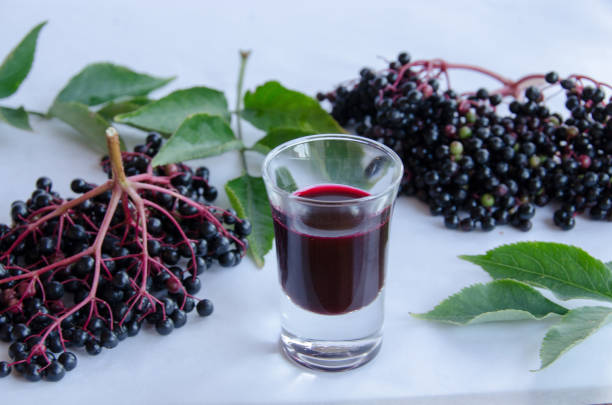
164,326
93,348
54,372
32,372
204,307
551,77
5,369
179,318
68,360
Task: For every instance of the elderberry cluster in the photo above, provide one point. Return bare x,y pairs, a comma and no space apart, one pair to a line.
33,296
476,166
212,246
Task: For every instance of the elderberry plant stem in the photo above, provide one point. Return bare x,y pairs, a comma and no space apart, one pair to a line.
244,56
114,152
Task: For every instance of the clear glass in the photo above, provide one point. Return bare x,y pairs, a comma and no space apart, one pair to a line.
332,198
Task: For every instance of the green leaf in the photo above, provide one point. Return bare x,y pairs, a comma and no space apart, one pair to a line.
575,326
200,135
500,300
18,63
15,117
569,272
102,82
166,114
278,136
250,200
114,108
274,106
343,163
88,123
284,180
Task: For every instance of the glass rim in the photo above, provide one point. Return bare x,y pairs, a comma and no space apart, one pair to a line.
344,137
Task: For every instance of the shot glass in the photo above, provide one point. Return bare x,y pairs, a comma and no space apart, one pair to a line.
332,197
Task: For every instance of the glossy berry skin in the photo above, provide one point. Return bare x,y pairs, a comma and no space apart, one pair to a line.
5,369
93,348
44,183
459,148
211,193
201,265
84,266
54,371
96,324
526,211
564,220
109,339
121,332
170,256
68,360
164,326
207,230
193,285
243,228
181,243
121,279
79,338
552,77
220,245
32,372
189,305
133,328
20,332
17,348
154,226
179,318
169,306
227,259
451,221
79,186
204,307
54,290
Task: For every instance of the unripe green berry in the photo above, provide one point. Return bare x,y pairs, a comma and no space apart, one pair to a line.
456,148
487,200
470,117
465,132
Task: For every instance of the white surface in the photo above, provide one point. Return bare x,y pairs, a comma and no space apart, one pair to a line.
232,357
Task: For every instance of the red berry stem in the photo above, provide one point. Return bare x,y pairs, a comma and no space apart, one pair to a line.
204,211
124,205
509,88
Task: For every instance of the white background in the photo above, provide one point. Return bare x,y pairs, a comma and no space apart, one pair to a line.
232,357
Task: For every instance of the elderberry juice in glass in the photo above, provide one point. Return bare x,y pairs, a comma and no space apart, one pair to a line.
332,198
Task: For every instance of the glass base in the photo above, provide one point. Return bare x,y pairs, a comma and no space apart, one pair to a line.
329,355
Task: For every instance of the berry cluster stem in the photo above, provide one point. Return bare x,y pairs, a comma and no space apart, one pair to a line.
509,87
114,151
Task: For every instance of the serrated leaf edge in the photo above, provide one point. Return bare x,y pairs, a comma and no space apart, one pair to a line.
234,144
474,319
248,94
483,258
607,319
121,118
163,81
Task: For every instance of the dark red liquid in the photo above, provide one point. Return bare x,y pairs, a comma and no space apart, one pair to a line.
332,259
